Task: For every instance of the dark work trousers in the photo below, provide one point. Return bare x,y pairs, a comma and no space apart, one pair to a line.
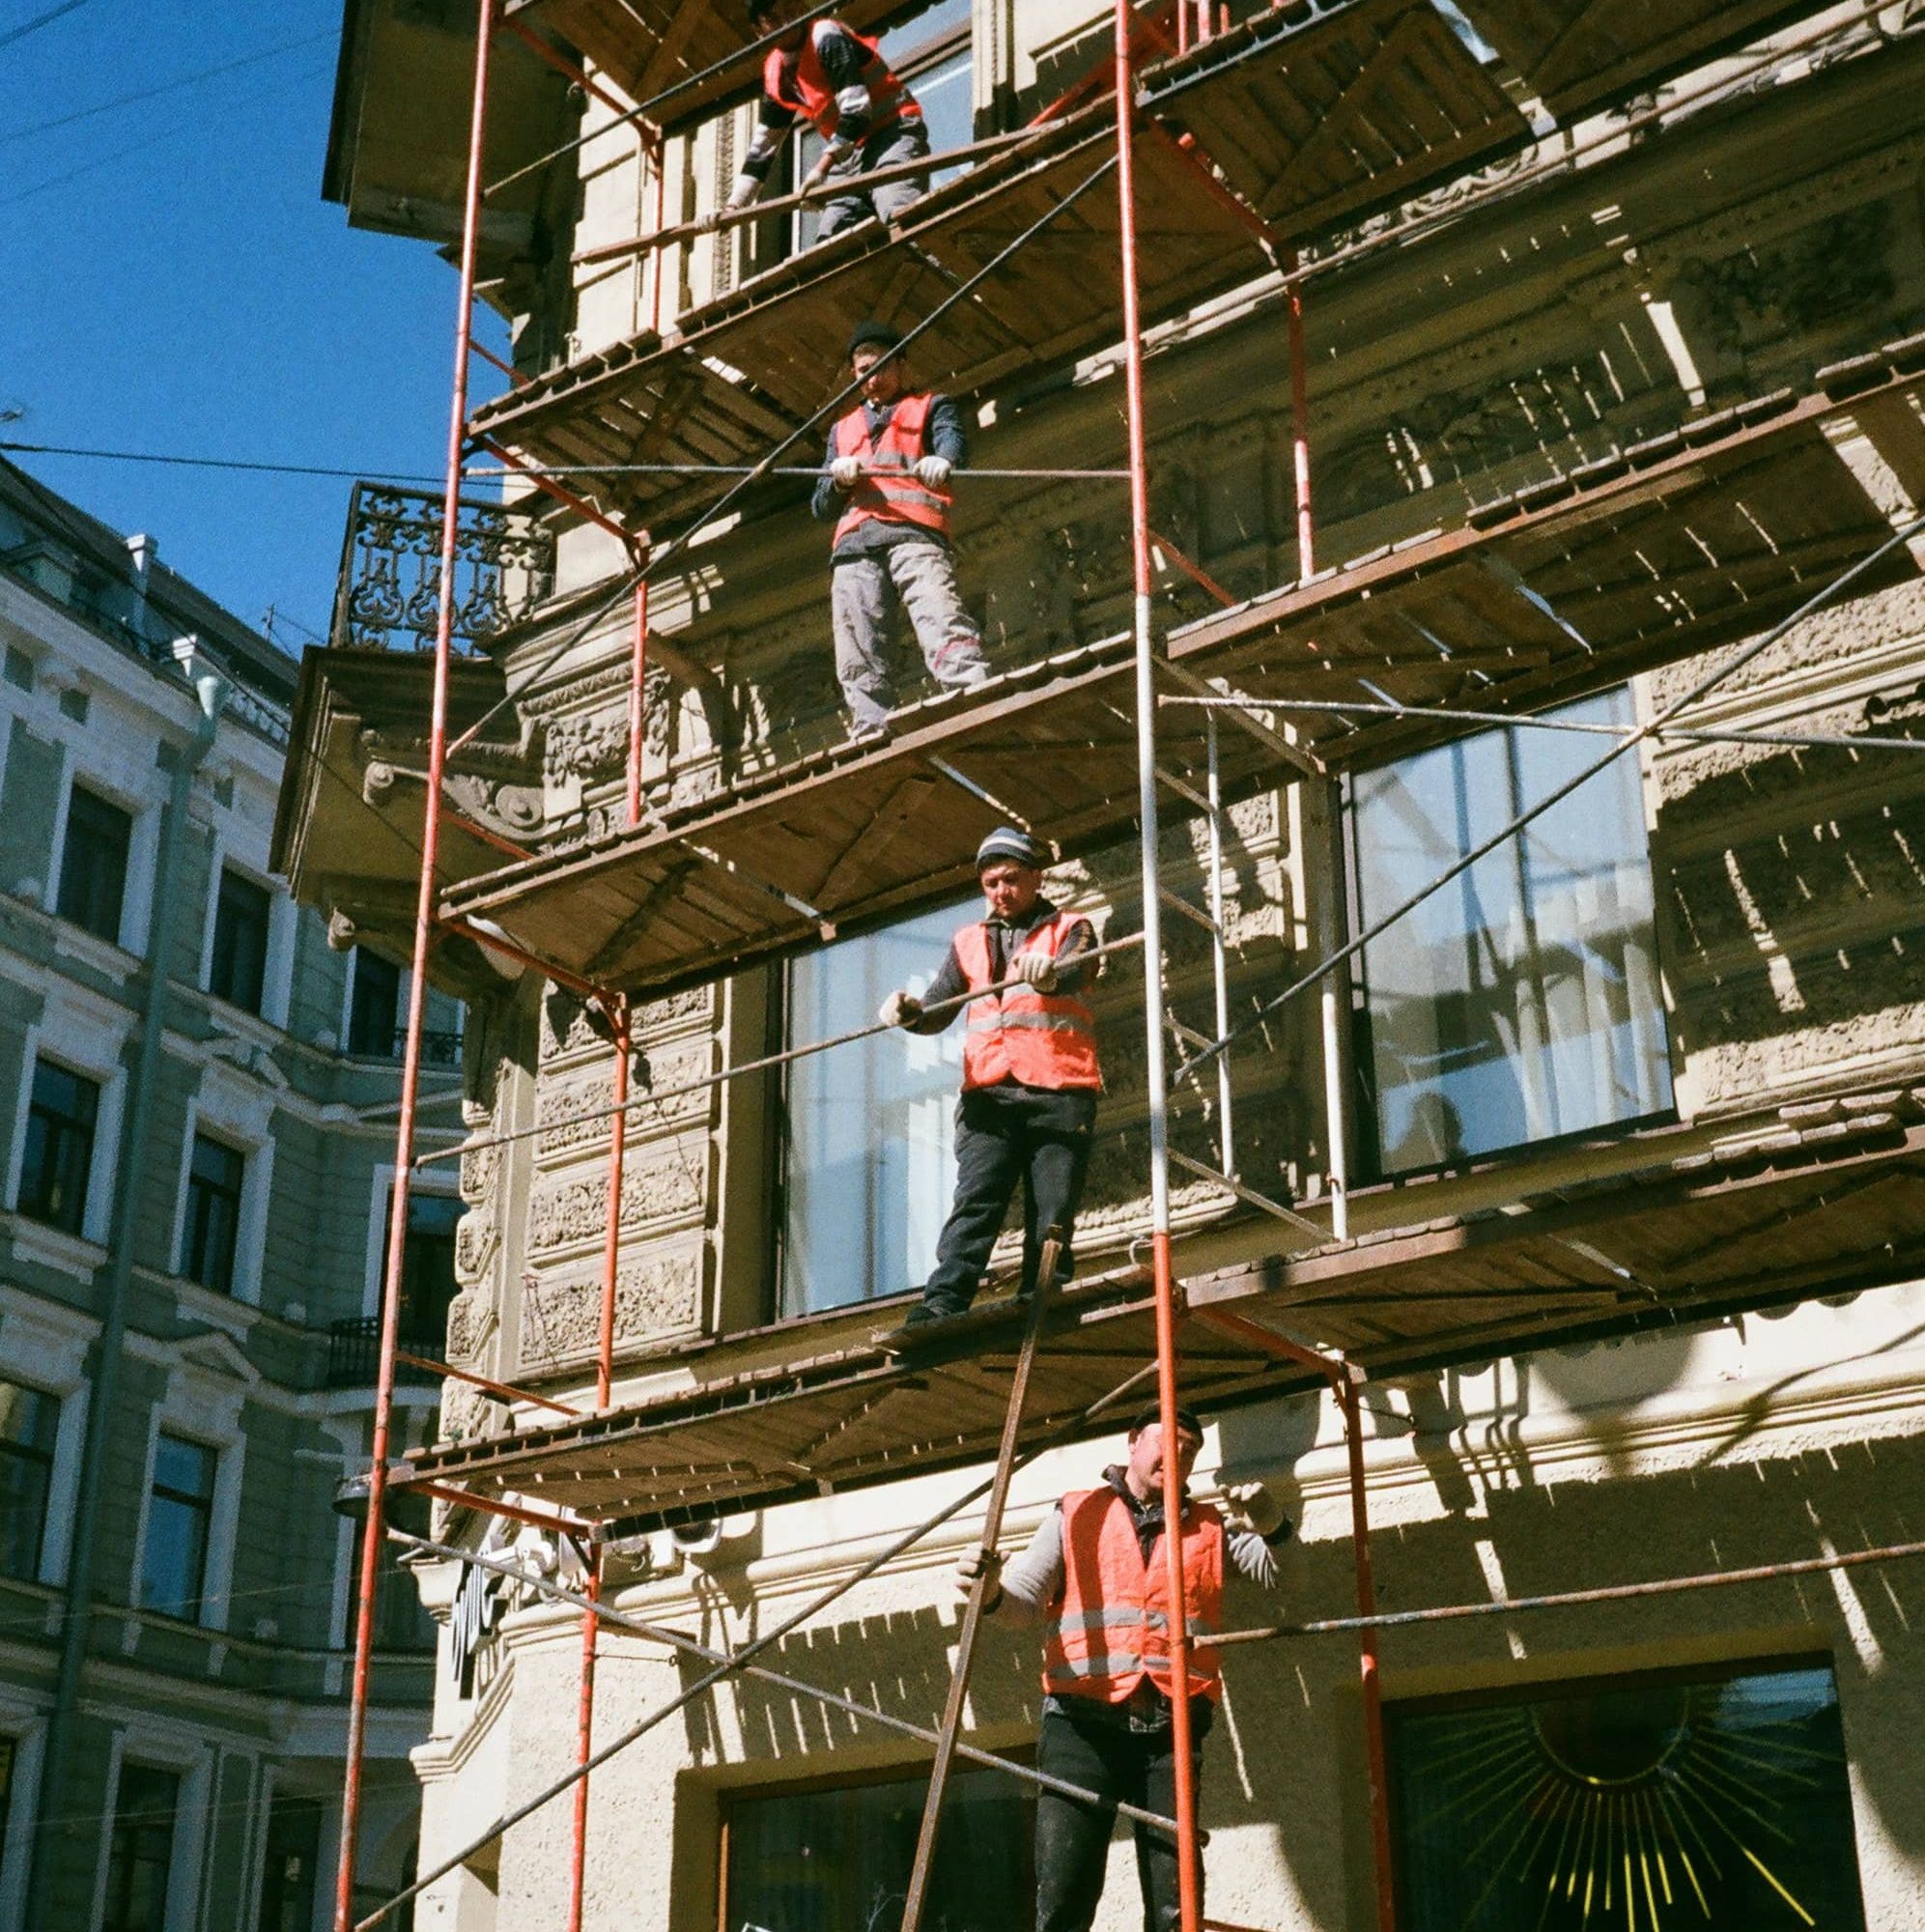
1008,1135
1137,1767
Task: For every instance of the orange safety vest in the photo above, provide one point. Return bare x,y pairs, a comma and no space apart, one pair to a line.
1112,1631
1042,1039
800,84
890,495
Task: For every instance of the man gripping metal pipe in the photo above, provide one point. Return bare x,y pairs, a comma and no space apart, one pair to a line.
1095,1575
1031,1076
883,484
832,78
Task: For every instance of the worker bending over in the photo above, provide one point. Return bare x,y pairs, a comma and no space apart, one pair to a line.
837,80
885,487
1029,1074
1096,1575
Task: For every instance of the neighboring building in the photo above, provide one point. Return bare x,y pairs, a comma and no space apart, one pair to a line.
196,1112
1627,1120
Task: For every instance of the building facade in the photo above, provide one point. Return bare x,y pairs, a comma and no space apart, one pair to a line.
199,1141
1563,1132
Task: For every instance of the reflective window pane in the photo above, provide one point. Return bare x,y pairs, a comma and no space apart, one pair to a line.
179,1511
214,1177
140,1851
237,972
1716,1800
28,1421
872,1153
59,1156
1520,1001
92,864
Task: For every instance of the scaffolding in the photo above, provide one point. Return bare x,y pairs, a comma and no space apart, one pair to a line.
1208,713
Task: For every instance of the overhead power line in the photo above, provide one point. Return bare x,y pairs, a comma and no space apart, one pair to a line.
38,21
166,87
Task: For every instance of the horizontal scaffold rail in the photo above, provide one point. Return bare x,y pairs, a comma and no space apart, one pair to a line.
1654,553
1820,1197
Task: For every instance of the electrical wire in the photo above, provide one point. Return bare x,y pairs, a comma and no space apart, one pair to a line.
166,87
41,20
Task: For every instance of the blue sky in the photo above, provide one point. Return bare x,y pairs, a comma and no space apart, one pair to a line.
170,279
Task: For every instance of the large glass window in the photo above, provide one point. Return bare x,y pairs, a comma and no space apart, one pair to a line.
180,1513
140,1852
237,972
61,1111
215,1177
1520,1001
28,1422
827,1859
872,1148
1714,1801
93,864
373,1011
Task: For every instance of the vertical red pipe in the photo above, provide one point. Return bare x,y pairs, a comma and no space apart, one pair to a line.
1367,1648
1182,1741
372,1529
1300,424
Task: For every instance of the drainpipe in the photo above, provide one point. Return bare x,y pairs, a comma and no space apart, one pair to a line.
210,690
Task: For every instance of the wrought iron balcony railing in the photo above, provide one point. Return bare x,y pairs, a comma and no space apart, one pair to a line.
389,586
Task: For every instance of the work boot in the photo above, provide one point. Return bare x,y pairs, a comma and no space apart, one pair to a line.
934,1308
873,732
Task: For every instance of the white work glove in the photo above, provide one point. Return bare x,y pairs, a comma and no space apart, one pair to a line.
832,157
933,472
901,1009
746,191
980,1562
1250,1506
1035,969
846,471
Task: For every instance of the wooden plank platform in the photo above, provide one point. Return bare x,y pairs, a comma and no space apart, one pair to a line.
1578,54
1312,115
1827,1199
1666,550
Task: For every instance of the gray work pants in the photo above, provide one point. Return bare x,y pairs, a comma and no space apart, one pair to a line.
907,141
862,591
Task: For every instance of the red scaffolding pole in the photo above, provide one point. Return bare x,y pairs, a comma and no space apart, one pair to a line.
372,1529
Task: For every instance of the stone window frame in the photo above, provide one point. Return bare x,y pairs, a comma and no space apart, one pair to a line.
244,1122
147,1744
84,1047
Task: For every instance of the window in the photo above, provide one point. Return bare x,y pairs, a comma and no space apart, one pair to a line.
932,53
214,1175
59,1155
140,1852
237,973
1520,1001
428,1281
824,1859
872,1148
374,1011
92,864
1706,1799
293,1861
179,1511
28,1422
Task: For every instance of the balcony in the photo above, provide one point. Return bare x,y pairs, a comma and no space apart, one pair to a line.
348,832
353,1351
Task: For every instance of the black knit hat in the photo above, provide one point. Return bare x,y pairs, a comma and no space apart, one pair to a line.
1006,842
874,334
1151,1417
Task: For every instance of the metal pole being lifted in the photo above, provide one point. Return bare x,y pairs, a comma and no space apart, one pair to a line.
372,1528
1183,1745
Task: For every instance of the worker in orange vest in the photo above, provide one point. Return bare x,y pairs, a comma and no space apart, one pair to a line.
836,80
885,487
1030,1071
1095,1575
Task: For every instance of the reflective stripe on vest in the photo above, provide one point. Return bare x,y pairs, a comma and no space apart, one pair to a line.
803,86
1111,1633
1042,1039
891,494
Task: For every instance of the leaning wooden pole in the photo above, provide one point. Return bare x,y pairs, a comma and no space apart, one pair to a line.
978,1594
